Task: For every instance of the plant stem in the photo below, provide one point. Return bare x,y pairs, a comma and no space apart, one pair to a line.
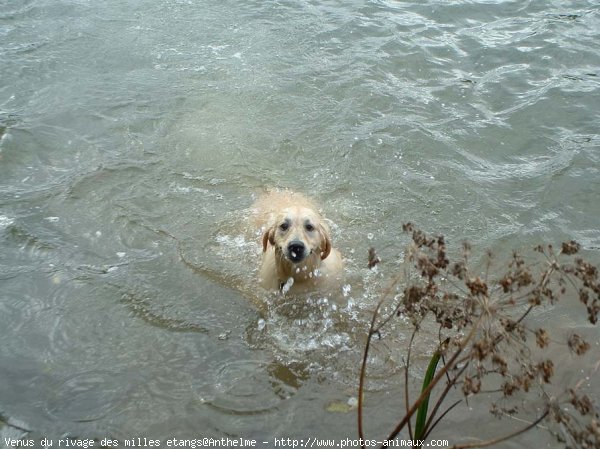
454,360
442,397
363,371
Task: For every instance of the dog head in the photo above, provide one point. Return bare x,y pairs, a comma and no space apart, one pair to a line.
297,234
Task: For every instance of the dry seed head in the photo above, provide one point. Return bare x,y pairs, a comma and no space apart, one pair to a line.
582,403
471,385
477,286
542,338
578,345
459,270
506,283
481,349
546,369
508,388
570,248
524,278
500,361
466,249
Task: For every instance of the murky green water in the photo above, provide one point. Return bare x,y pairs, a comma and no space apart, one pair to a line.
133,135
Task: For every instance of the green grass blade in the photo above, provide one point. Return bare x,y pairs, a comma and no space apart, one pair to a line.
422,411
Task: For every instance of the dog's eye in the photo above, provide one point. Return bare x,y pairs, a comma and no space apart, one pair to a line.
284,226
309,227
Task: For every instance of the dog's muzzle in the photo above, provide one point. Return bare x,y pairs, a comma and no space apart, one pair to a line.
296,251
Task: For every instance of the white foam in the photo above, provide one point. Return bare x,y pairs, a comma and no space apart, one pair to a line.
286,287
346,289
261,324
236,241
5,222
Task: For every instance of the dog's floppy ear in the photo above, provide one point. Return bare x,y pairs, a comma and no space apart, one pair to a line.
325,242
268,237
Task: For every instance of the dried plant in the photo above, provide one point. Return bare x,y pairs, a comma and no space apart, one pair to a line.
488,347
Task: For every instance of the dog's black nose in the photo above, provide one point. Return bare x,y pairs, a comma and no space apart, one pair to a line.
296,251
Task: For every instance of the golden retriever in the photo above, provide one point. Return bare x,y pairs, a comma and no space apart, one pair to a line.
296,243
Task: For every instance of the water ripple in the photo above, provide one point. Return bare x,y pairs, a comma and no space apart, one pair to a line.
87,396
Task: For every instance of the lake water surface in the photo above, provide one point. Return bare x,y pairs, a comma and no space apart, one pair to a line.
135,134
